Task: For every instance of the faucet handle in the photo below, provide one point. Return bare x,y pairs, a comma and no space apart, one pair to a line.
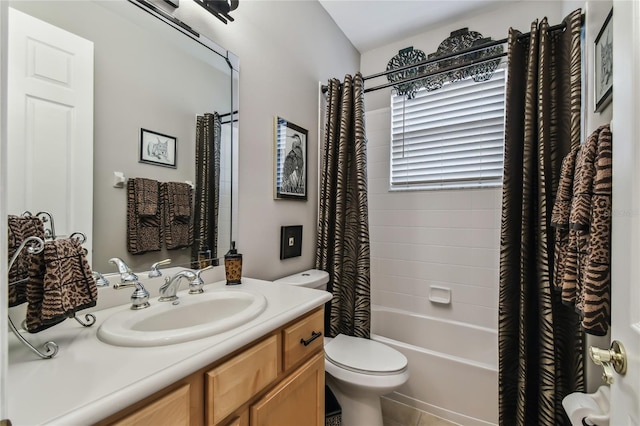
101,281
199,271
195,284
155,271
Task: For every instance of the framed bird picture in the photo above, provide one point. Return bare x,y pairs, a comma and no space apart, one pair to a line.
290,155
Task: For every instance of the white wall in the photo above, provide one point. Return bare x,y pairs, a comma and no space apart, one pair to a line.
285,49
446,238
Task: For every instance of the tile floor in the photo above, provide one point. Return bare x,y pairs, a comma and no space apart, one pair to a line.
397,414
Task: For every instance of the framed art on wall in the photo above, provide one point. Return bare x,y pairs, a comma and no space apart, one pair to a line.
157,149
603,65
290,149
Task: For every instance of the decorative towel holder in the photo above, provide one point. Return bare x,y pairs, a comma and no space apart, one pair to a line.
36,245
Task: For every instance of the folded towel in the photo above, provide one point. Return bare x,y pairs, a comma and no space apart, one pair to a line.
60,284
68,281
178,225
144,232
147,197
19,229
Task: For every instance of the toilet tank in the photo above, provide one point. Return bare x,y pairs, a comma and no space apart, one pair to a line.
312,278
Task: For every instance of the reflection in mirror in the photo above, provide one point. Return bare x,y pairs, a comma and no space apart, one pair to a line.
146,75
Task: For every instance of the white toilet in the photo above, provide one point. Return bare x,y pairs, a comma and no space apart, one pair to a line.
358,370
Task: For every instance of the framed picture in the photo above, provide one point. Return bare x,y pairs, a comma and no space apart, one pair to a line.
157,149
603,62
290,148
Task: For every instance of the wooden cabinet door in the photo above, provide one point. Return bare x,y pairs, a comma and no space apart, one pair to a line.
236,381
297,401
172,409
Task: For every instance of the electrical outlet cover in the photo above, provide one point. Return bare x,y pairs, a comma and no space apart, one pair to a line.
290,241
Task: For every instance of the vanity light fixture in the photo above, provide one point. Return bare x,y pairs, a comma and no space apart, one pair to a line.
220,8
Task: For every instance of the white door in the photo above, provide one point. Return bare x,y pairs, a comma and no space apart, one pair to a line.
625,287
50,124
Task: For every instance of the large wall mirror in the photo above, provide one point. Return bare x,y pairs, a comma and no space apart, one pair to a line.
147,74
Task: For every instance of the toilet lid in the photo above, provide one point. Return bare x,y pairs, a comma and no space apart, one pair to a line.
364,355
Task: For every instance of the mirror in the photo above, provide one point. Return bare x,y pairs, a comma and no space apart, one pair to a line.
147,74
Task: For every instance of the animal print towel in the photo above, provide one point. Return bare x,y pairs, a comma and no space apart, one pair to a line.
20,228
178,205
144,216
583,231
61,283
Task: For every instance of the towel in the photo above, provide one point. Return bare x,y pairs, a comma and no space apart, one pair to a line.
147,197
60,284
144,230
582,269
178,206
560,221
19,229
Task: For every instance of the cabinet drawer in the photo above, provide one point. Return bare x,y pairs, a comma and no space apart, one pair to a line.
234,382
299,340
170,409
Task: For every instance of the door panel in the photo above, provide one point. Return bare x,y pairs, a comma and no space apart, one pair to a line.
625,278
50,131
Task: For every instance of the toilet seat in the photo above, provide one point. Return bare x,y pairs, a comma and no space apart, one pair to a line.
364,356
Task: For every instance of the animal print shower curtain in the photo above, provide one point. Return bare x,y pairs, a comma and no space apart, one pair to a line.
343,218
540,342
207,192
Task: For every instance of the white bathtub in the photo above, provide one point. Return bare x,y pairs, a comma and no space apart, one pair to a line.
453,366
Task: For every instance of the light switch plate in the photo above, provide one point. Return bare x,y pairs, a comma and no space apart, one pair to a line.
290,241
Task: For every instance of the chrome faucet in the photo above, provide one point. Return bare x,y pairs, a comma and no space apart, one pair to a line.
140,296
170,287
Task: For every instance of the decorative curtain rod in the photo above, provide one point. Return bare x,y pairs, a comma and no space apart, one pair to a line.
521,37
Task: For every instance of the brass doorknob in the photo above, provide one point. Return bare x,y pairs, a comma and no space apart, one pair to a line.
611,359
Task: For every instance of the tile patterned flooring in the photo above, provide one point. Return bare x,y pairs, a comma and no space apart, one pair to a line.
397,414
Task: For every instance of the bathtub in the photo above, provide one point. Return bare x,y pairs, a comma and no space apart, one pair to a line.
453,366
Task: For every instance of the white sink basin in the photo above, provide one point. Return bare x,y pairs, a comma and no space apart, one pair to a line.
191,317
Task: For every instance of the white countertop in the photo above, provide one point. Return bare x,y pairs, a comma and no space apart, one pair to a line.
89,380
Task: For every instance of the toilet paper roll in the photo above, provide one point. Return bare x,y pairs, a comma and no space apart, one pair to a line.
587,409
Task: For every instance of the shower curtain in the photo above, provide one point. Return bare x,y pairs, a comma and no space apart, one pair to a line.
343,218
207,192
540,342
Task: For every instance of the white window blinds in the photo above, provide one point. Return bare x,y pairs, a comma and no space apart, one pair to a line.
452,137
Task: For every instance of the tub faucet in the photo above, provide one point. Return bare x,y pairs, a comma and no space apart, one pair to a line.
170,287
140,296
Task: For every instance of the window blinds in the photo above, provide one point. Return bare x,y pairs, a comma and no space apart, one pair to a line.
452,137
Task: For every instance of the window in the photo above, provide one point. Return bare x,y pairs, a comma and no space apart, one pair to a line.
452,137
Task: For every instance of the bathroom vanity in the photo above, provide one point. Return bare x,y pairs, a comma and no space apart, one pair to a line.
268,371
